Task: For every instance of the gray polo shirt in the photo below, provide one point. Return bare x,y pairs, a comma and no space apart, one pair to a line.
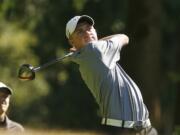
115,92
11,126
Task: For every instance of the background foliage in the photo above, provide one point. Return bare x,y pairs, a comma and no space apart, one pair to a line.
34,32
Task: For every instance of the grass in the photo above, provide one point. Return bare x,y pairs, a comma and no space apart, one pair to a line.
52,132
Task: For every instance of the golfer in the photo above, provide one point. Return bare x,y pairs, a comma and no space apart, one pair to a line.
119,98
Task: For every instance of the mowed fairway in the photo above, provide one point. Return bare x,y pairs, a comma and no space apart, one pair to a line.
53,132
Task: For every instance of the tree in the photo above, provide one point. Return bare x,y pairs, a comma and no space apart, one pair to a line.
143,27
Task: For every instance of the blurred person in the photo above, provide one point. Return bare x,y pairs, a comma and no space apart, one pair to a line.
5,123
121,104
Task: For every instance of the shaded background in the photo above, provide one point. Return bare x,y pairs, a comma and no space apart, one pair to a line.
33,31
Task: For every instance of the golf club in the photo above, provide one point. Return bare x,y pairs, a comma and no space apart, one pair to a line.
27,71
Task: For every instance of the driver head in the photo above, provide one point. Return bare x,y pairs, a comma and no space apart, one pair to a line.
26,72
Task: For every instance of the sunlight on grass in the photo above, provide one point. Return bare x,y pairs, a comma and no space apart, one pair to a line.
53,132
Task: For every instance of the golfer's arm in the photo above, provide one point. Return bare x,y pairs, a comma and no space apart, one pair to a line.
122,38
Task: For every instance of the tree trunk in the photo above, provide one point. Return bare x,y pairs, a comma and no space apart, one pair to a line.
144,51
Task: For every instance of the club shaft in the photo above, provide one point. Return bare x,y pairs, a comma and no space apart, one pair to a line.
35,69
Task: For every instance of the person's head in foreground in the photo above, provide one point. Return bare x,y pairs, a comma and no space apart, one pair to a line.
5,123
80,31
5,94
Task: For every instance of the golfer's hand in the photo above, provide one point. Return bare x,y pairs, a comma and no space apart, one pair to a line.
73,49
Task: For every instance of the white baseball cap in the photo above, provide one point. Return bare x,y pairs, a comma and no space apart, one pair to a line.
72,23
4,87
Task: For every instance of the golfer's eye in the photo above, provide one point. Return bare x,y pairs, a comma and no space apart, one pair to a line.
89,28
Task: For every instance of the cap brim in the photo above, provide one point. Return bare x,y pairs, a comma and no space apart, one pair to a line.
6,90
85,18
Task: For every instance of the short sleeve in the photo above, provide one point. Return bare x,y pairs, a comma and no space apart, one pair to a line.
110,51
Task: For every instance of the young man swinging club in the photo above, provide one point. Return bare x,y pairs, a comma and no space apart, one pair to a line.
119,98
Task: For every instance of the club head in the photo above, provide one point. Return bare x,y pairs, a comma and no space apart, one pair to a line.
26,72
